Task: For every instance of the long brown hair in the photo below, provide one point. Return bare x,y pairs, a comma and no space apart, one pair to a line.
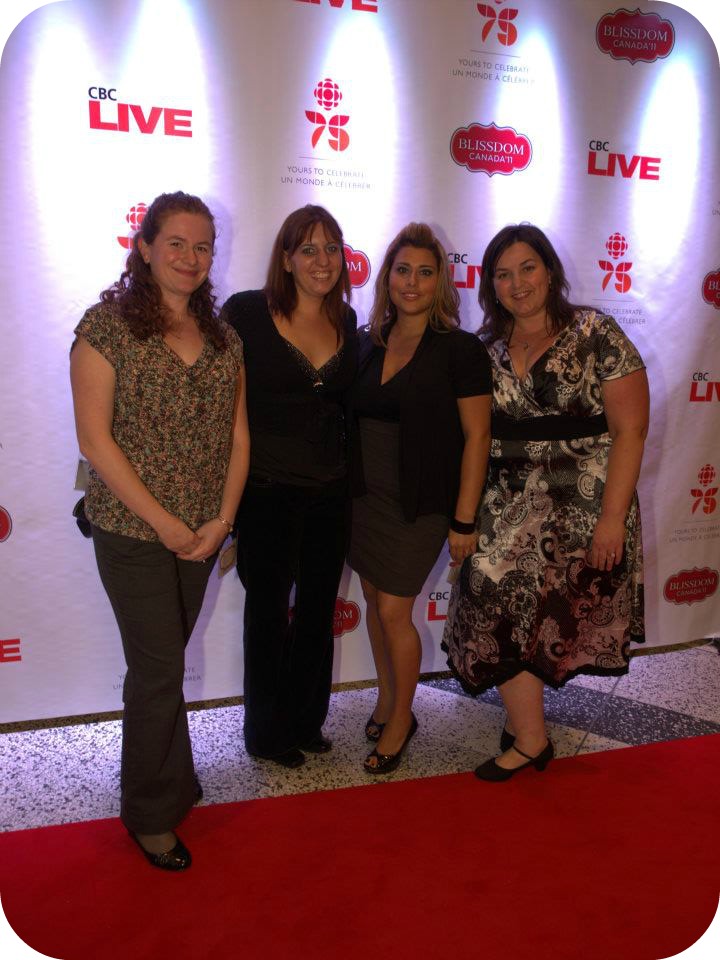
445,309
280,288
497,321
137,294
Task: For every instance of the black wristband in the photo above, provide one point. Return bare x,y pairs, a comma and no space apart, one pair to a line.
457,526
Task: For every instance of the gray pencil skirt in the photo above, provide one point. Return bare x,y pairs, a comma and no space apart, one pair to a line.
392,554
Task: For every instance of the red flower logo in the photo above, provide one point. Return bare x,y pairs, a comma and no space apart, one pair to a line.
617,246
632,35
490,149
507,32
358,266
328,95
705,494
134,217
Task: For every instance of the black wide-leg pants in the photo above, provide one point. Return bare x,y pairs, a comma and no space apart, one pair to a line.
289,535
156,599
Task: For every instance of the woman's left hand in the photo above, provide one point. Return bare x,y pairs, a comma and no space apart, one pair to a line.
606,548
461,545
212,535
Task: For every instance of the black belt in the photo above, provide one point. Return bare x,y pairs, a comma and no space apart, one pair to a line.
559,427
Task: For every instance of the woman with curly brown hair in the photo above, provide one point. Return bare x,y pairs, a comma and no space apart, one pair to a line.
159,397
421,422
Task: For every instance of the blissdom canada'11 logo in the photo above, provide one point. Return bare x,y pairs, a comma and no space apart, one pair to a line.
632,35
358,265
617,246
346,617
5,524
490,149
711,289
691,586
328,95
134,217
502,21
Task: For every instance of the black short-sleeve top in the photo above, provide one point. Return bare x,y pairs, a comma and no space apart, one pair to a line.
447,366
296,413
172,421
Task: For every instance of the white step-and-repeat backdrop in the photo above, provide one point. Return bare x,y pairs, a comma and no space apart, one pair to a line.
597,122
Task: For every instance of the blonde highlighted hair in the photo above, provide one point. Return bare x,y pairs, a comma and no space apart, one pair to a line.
444,312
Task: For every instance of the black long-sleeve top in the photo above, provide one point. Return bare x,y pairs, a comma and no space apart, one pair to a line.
295,412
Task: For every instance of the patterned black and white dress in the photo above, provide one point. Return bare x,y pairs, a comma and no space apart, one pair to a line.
527,600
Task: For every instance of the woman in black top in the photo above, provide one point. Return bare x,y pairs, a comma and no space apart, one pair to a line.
300,345
421,424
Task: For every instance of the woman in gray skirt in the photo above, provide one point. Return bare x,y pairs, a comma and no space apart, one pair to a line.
420,421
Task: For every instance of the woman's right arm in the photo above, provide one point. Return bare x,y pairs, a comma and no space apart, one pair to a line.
93,386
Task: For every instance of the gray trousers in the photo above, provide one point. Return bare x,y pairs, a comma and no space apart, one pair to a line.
156,599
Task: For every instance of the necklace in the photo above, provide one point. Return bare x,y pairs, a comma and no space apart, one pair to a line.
526,344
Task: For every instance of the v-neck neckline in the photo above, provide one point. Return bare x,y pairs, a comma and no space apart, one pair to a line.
506,348
296,350
414,354
187,366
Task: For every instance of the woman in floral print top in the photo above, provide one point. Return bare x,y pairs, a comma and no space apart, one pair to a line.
159,394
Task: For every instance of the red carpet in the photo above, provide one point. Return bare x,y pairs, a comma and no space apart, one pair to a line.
608,855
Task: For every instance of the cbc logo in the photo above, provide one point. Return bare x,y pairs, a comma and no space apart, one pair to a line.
102,93
599,144
701,376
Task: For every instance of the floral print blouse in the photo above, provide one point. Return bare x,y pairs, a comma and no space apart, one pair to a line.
172,421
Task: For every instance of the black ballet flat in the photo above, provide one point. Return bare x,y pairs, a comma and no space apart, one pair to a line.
176,859
506,740
387,762
290,759
491,772
318,744
373,729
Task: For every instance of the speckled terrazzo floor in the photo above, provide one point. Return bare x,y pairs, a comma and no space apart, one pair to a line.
69,773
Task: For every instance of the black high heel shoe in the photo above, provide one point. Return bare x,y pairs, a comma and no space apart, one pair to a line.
387,762
507,740
492,772
176,859
374,729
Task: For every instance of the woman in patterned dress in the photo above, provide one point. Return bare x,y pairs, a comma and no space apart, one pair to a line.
159,398
555,586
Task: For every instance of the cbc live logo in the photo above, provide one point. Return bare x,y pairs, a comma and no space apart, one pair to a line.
107,112
703,389
362,6
464,274
603,162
